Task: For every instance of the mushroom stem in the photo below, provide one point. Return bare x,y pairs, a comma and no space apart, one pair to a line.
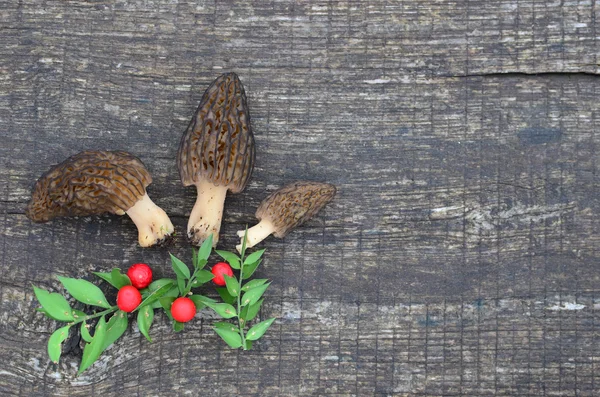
256,234
207,213
153,224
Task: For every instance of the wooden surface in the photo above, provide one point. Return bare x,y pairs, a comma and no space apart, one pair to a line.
460,256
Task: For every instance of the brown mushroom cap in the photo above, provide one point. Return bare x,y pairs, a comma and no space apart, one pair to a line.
88,183
294,204
218,144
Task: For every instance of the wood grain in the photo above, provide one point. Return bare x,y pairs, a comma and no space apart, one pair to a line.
460,256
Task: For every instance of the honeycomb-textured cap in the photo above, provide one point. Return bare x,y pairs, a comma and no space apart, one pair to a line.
90,182
294,204
218,144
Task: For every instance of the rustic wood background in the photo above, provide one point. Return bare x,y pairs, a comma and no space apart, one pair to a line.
460,256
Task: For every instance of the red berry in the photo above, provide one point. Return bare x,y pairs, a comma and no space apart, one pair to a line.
140,275
128,298
183,309
219,270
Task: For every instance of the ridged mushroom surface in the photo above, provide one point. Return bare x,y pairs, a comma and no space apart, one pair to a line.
218,144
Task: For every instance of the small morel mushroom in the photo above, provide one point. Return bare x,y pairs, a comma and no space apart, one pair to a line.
97,182
286,208
216,154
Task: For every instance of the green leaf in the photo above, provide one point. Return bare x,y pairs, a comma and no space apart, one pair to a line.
41,310
144,321
84,291
55,343
233,287
224,294
166,302
250,269
77,314
181,285
154,296
224,310
253,257
92,350
250,311
115,327
206,248
85,332
177,326
204,299
248,344
155,305
198,262
180,268
233,339
194,256
227,326
197,302
243,315
202,277
259,329
156,284
114,278
254,283
106,277
119,280
230,257
55,305
201,263
173,292
244,241
251,296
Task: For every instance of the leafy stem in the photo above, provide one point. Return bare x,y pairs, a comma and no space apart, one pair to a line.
192,278
241,322
91,316
247,296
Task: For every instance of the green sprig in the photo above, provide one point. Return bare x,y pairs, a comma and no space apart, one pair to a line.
241,301
246,297
187,280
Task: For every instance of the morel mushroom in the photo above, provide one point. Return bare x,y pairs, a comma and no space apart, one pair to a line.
97,182
286,208
216,154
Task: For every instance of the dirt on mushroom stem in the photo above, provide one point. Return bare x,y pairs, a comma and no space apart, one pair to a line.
154,226
205,218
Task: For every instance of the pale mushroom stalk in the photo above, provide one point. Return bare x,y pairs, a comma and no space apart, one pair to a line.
256,234
207,213
287,208
152,222
97,182
216,154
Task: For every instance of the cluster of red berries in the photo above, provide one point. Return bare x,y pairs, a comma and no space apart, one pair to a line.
129,296
183,309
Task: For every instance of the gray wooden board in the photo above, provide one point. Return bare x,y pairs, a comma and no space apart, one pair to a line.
458,258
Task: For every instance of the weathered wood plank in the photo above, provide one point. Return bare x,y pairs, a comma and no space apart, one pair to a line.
460,256
436,37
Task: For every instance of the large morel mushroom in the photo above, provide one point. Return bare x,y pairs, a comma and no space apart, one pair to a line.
98,182
216,154
287,208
